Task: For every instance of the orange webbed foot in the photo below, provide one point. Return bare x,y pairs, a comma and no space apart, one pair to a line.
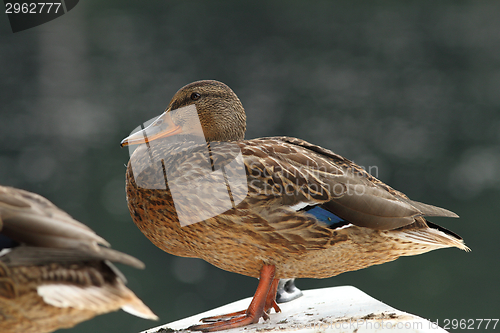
262,302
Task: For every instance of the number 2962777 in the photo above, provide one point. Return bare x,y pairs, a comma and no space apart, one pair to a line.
32,7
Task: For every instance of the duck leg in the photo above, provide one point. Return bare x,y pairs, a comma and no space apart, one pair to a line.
287,291
271,299
262,302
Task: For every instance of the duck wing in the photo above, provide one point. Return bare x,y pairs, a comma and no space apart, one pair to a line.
31,219
33,255
48,234
298,174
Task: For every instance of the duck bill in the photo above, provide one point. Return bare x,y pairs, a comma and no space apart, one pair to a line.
162,127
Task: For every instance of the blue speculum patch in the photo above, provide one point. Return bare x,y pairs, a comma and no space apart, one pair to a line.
325,216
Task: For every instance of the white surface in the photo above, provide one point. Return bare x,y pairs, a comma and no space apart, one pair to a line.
340,309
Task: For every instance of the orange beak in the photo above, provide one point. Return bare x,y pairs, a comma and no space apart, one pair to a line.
162,127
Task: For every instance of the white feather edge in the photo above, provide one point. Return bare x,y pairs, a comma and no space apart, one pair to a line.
99,299
433,237
344,226
5,251
299,206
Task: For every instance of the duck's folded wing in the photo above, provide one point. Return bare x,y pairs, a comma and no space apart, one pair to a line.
375,208
30,255
31,219
72,278
302,174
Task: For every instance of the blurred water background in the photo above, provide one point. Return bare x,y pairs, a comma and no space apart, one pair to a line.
410,89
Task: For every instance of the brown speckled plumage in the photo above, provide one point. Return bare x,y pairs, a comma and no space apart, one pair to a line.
53,273
270,226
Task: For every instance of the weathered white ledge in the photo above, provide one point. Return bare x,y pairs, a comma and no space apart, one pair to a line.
339,309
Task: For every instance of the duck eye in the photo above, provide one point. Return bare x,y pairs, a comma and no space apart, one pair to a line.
195,96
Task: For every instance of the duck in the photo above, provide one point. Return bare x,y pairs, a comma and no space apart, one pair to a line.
56,272
271,208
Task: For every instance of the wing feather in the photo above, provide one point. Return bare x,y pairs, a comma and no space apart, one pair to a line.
293,172
31,219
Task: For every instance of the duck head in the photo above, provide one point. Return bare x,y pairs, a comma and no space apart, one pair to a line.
208,103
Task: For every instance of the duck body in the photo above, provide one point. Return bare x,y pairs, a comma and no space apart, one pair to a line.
53,272
271,208
272,226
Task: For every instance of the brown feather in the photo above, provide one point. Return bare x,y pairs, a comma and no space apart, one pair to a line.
58,276
266,226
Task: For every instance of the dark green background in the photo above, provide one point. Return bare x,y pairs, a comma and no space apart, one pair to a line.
412,88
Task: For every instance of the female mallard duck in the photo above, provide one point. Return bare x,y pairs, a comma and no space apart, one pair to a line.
301,210
53,273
